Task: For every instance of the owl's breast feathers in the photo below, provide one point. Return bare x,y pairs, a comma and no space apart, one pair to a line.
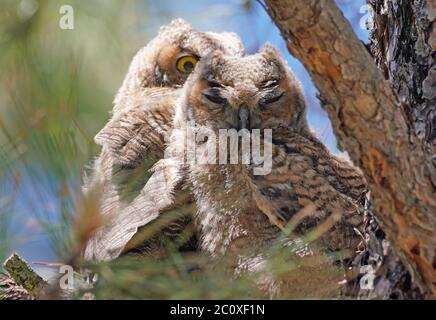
229,220
238,211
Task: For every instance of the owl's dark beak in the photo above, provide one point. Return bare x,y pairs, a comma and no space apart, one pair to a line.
243,118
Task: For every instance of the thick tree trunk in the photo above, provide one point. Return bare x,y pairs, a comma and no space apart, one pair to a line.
370,123
403,42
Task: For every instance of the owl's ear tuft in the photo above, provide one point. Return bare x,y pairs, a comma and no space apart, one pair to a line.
270,52
178,25
273,57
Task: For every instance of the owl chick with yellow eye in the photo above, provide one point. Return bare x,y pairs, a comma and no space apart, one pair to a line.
154,76
135,136
242,214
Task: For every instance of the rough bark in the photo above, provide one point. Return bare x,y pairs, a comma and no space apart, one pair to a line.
370,123
403,42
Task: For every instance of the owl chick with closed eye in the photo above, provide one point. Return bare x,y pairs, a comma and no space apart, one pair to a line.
134,139
240,213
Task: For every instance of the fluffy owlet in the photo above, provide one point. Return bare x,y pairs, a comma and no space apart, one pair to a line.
141,117
241,212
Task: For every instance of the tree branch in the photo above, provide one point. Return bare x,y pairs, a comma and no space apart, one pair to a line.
21,282
370,124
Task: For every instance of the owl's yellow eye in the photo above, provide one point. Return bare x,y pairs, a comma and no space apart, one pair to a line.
186,64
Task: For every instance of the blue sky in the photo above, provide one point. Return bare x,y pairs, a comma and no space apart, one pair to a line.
254,27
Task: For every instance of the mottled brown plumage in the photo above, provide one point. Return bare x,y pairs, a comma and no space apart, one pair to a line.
239,211
140,131
133,140
305,173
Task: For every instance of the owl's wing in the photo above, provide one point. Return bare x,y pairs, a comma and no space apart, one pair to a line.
174,223
304,175
123,217
340,173
139,132
133,195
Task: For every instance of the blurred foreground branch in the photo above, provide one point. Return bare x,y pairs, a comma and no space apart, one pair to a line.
21,282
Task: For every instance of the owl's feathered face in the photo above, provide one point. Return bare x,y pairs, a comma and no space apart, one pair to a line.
252,92
171,56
